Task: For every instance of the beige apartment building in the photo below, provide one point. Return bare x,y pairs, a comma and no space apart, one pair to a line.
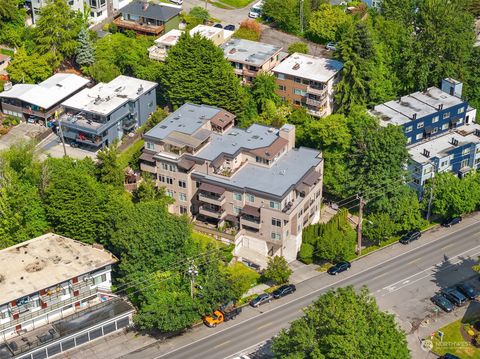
308,81
250,58
251,183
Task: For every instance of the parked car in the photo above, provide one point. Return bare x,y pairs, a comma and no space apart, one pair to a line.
452,221
442,302
284,290
410,237
339,268
449,356
218,25
454,296
467,290
221,315
178,2
331,46
261,299
230,27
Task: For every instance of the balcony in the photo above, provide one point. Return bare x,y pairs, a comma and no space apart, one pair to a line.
212,212
315,103
144,167
250,73
97,141
238,71
212,198
250,221
317,112
317,91
157,53
140,27
129,124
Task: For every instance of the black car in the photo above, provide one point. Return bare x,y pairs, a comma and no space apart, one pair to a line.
442,302
454,296
449,356
467,290
218,25
339,268
410,237
261,299
452,221
229,27
284,290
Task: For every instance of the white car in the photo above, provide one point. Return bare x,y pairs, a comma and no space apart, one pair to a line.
178,2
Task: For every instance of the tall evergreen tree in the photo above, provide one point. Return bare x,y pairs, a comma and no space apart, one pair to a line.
85,56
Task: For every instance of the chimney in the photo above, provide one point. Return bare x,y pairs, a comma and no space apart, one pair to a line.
287,132
145,6
426,152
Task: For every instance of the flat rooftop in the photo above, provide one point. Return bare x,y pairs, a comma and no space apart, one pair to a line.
49,92
276,180
249,52
419,104
256,136
170,38
103,98
46,261
309,67
442,144
187,119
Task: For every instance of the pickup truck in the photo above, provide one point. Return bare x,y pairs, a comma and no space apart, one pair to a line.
220,316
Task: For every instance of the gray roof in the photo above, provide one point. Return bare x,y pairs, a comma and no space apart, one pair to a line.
275,180
420,104
256,136
251,52
309,67
186,119
162,12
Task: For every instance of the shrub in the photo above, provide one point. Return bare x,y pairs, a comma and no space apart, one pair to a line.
242,278
246,34
300,47
306,253
277,270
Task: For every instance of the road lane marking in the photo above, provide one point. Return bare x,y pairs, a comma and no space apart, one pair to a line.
222,344
321,289
264,326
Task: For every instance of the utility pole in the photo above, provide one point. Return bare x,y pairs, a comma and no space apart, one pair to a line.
60,131
206,3
359,226
193,272
430,200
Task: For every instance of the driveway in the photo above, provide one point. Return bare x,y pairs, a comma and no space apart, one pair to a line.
23,132
225,16
52,147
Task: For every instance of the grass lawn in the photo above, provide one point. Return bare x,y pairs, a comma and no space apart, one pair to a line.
125,156
454,343
235,3
220,5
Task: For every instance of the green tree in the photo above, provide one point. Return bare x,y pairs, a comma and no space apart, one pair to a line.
342,324
149,191
57,30
472,84
196,71
12,16
85,56
299,47
400,11
28,69
104,71
242,278
326,22
286,14
155,118
108,169
264,90
277,270
197,15
379,227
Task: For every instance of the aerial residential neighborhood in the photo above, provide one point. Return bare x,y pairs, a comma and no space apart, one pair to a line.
239,179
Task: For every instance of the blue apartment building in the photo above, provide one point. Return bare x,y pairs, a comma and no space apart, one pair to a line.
440,131
97,116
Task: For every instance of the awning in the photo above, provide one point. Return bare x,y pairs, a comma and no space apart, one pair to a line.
251,211
186,164
211,188
231,218
312,178
145,156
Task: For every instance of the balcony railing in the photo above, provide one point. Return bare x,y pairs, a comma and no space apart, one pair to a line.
250,221
250,73
317,91
138,26
211,212
315,103
209,198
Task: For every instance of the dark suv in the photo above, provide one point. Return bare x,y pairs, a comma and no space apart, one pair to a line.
454,296
410,237
467,290
452,221
284,290
442,302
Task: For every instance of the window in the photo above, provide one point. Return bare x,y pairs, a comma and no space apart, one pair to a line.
296,102
182,197
237,210
282,87
420,125
427,170
100,279
298,80
250,198
445,126
164,166
416,181
150,145
419,136
237,196
274,205
4,315
150,104
276,236
409,140
183,210
172,168
408,129
465,151
161,178
276,222
169,180
443,164
477,161
299,92
461,110
281,76
477,150
169,193
435,130
182,184
446,115
435,119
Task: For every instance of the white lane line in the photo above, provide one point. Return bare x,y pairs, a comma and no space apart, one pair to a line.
315,291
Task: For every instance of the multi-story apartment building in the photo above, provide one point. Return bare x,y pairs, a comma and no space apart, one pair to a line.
98,116
250,58
48,278
148,18
40,103
165,42
252,181
308,81
440,131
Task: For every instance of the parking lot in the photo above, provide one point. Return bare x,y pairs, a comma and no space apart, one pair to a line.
52,147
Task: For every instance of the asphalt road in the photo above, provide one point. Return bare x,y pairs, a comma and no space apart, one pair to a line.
427,261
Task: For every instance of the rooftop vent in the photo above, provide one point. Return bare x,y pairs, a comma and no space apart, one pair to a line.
454,141
7,86
440,107
414,117
98,100
296,66
59,85
426,153
163,126
282,172
271,129
232,51
140,90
